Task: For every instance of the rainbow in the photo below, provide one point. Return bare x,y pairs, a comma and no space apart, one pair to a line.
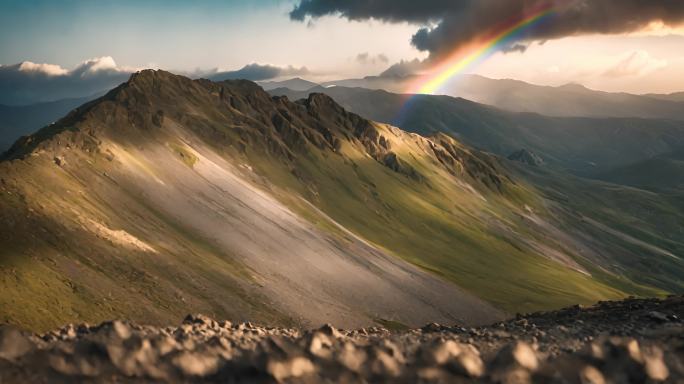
466,57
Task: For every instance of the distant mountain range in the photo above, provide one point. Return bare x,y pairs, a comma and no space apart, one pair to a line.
17,121
512,95
570,100
677,96
170,195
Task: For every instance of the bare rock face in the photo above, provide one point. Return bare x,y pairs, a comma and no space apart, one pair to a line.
611,342
59,160
527,157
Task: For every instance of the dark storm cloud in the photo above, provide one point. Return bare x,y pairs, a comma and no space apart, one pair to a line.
366,58
515,48
395,11
460,21
403,68
257,72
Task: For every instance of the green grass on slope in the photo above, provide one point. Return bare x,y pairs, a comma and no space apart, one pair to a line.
653,218
392,325
37,297
439,227
184,154
658,173
53,271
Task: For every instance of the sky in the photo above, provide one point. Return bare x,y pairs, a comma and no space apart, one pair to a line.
194,35
613,45
639,63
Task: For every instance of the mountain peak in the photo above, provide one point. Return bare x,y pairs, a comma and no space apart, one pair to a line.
152,99
574,87
156,105
149,72
148,80
146,77
317,99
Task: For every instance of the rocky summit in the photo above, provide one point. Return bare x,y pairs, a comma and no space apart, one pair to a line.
630,341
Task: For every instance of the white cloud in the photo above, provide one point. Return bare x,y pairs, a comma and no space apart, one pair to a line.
635,63
365,58
98,64
29,82
255,72
48,69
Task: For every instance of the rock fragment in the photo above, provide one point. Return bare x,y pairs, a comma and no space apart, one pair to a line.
13,343
658,316
196,364
290,368
590,375
611,342
519,354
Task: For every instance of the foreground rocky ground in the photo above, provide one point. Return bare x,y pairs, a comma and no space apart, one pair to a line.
631,341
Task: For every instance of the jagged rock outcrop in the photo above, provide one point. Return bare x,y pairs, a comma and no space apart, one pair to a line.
479,166
526,157
255,121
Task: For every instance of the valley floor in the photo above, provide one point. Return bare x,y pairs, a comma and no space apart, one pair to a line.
635,340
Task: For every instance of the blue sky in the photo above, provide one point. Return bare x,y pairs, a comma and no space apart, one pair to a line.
185,35
65,32
193,36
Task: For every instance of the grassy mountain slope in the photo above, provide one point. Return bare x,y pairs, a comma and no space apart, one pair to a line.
641,218
130,207
584,146
170,195
633,232
661,172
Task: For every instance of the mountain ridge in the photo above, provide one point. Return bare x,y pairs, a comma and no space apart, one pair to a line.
652,105
581,145
97,133
178,193
295,83
17,121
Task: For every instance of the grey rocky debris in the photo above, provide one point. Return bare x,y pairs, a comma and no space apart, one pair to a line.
610,342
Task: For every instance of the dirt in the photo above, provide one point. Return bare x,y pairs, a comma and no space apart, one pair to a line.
631,341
